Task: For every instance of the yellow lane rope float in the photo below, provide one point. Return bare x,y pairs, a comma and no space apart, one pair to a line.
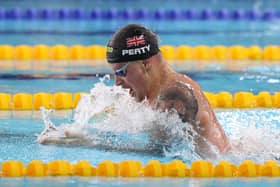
132,168
182,52
68,100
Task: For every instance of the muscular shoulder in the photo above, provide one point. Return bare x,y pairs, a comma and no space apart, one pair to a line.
180,97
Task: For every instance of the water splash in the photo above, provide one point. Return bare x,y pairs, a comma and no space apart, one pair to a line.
50,129
109,117
254,134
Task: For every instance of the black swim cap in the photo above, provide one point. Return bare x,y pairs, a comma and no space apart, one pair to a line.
130,43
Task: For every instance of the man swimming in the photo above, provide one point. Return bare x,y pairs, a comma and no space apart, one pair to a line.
134,55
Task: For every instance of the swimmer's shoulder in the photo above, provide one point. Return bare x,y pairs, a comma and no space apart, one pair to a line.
180,96
178,89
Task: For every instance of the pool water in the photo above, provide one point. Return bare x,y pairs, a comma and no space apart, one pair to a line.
87,32
262,79
19,129
149,182
254,131
199,4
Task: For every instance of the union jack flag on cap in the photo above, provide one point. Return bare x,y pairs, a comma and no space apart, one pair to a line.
130,43
135,41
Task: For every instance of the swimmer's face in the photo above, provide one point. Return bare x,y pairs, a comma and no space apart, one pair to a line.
132,76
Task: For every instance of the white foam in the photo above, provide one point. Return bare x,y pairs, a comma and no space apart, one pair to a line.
254,134
273,81
110,117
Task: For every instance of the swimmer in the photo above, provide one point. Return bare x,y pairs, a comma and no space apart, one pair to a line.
134,55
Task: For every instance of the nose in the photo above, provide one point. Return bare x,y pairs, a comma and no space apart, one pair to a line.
118,80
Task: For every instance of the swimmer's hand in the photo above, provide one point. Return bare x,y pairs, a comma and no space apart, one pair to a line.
63,141
74,133
71,136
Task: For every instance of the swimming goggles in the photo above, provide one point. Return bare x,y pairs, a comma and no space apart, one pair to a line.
122,71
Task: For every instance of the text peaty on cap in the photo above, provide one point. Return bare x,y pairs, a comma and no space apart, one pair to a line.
130,43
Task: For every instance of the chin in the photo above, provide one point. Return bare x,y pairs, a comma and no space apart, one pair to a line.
139,98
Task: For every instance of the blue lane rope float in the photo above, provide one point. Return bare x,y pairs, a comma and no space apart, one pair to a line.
137,14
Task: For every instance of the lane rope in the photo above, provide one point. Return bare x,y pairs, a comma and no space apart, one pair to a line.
132,168
69,100
137,14
181,53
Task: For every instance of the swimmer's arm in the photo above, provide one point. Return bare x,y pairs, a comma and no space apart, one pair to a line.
75,142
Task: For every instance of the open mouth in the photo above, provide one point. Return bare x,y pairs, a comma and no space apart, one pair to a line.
131,92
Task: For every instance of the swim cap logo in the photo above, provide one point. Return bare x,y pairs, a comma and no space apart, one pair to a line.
136,51
109,49
135,41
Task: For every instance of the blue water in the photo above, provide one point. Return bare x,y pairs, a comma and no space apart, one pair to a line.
18,129
137,182
88,32
147,182
18,141
105,4
18,132
212,81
